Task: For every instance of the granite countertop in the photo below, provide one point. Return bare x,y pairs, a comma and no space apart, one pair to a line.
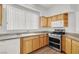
73,36
20,33
9,32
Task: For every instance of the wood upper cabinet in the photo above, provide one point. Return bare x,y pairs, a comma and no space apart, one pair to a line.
60,17
68,45
43,21
49,21
26,45
65,17
54,18
63,44
46,21
0,14
75,47
35,43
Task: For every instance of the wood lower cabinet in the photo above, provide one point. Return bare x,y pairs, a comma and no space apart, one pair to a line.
26,45
68,45
41,41
75,47
32,43
63,44
35,43
45,40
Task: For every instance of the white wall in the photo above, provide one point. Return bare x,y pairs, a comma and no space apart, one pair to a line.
77,18
77,22
71,23
57,10
0,28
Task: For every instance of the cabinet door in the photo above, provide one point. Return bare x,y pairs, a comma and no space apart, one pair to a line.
65,17
45,40
63,43
60,17
35,43
54,18
49,21
41,41
68,45
75,47
27,45
43,22
0,14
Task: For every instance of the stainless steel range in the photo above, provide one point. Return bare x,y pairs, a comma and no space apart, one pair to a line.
55,39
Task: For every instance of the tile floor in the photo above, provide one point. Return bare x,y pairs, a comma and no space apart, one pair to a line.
46,50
